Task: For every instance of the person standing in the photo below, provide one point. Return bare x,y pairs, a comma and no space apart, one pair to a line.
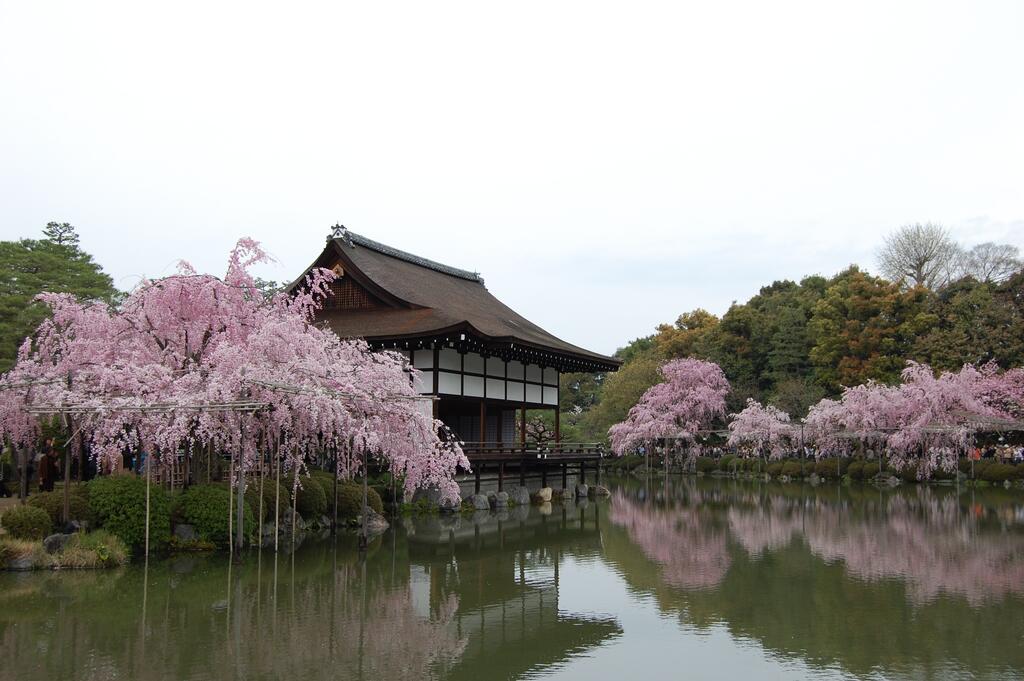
47,466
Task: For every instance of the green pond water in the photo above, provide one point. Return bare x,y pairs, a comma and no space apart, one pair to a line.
694,579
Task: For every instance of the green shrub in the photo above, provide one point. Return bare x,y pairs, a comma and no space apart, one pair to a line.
808,467
979,468
793,469
844,465
705,464
53,504
205,507
912,473
856,470
774,468
829,469
27,522
999,472
725,463
870,470
92,550
311,500
118,502
350,500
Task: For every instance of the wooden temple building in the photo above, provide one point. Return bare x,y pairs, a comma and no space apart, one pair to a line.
484,364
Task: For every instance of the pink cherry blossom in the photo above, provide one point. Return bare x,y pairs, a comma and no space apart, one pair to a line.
765,428
172,367
686,402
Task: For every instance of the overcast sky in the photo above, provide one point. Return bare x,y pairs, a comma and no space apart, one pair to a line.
605,166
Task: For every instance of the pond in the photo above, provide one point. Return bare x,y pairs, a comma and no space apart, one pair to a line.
710,579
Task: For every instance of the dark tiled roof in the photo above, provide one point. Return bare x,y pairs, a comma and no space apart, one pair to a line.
357,239
436,298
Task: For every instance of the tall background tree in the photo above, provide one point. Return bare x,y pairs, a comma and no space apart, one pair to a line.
920,255
57,264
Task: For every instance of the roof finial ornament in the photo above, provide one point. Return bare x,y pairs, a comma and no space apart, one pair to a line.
339,231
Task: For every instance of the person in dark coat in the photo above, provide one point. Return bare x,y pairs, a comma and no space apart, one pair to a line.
48,466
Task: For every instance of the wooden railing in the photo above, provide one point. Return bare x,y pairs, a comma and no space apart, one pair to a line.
532,450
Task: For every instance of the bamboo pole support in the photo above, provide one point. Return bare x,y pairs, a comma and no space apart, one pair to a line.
277,505
231,505
149,474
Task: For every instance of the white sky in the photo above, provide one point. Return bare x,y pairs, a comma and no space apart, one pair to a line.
606,166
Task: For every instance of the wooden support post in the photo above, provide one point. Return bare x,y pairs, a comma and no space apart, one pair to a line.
565,476
522,472
543,475
483,423
583,473
476,477
277,501
66,514
597,472
501,476
231,502
149,467
240,509
522,429
334,518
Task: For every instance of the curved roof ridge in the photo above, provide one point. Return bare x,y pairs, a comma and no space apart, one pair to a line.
351,238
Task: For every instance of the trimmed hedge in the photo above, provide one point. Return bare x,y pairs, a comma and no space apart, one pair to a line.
828,469
350,500
26,522
205,507
999,472
705,464
53,504
775,468
725,463
856,470
793,469
118,502
311,500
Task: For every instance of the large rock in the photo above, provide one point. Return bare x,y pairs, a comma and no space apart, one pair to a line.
25,562
433,498
375,523
479,502
600,491
55,543
519,495
500,500
185,532
582,490
542,496
286,522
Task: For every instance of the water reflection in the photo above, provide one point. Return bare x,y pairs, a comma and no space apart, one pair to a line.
750,580
907,582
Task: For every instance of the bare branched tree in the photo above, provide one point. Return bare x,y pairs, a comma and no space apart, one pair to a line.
991,262
920,255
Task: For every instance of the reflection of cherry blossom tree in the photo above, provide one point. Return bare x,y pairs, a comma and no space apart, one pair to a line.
922,539
766,428
692,555
687,401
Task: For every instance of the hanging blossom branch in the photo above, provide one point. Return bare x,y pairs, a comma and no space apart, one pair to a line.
193,339
926,420
686,402
765,428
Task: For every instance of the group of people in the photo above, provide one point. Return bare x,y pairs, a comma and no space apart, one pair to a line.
43,466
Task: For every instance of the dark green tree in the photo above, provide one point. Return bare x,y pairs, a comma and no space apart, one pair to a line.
29,267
